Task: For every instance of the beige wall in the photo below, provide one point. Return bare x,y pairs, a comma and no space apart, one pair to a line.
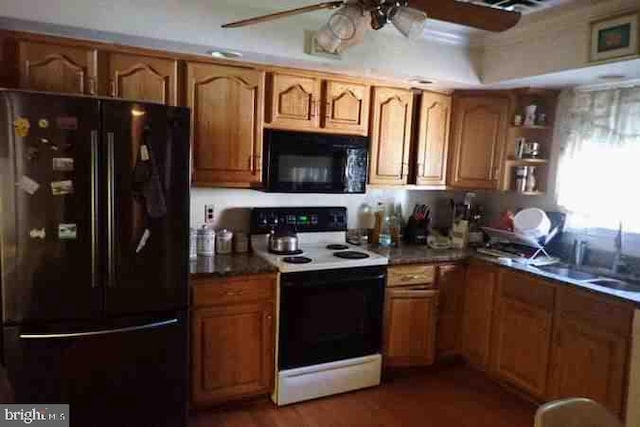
547,42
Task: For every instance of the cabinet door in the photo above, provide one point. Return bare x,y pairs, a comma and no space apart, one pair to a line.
295,102
410,325
232,352
57,68
479,132
587,362
433,140
390,136
346,107
226,131
480,284
522,344
450,282
143,78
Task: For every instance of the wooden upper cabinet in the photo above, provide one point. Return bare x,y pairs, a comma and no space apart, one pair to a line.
480,285
57,68
410,327
346,107
522,331
227,123
451,286
295,102
479,136
143,78
390,136
433,139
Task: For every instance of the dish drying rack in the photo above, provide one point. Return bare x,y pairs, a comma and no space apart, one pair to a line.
538,245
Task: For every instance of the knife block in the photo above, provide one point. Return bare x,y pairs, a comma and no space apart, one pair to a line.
416,232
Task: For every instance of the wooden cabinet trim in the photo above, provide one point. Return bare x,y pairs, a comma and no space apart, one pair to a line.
411,275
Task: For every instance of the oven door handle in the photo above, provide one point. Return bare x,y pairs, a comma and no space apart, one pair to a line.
316,283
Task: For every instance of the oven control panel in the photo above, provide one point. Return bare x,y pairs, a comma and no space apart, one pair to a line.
303,220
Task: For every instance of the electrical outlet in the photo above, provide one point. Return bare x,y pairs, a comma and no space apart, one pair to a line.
209,211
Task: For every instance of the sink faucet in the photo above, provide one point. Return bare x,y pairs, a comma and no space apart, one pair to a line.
618,258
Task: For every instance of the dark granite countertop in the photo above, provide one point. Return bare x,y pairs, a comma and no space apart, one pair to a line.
633,297
414,254
230,265
410,254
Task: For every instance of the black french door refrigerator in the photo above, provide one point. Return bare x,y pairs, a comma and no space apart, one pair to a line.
94,211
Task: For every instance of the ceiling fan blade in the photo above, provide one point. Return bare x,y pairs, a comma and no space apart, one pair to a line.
468,14
284,14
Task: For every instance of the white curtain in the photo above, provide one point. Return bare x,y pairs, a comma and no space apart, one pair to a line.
598,179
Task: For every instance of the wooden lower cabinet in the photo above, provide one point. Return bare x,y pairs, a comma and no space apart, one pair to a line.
480,284
451,303
410,327
590,349
588,362
522,330
232,348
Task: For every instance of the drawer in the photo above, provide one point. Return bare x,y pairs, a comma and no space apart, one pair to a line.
207,292
411,275
527,289
602,312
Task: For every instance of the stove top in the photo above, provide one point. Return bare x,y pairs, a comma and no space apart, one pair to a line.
297,260
315,246
351,255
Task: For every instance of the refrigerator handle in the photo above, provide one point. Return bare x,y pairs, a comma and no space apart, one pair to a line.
111,209
94,209
154,325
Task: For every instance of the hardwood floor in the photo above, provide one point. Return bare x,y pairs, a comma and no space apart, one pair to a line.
442,397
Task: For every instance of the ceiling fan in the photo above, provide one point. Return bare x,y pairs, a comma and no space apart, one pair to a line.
348,24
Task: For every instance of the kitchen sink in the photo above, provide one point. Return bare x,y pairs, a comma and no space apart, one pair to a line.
567,272
618,285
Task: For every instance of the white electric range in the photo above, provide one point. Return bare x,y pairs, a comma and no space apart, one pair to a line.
330,302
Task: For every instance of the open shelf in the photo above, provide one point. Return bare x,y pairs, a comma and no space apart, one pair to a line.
536,127
526,162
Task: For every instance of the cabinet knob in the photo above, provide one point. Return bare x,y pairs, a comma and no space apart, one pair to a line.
329,110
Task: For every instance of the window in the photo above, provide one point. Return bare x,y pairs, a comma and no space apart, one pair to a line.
598,179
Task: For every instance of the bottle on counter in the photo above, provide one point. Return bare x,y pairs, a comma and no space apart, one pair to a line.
385,238
379,222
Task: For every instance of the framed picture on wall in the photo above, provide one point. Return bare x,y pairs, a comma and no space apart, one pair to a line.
614,37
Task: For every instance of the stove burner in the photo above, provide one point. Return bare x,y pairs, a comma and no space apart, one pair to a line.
351,255
337,247
297,260
298,252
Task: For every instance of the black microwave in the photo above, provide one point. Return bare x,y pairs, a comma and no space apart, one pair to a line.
300,162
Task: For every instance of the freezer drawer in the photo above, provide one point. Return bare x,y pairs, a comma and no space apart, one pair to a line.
129,372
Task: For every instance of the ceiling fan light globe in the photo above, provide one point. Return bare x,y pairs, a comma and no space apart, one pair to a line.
410,22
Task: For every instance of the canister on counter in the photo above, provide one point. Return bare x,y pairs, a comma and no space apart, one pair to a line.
224,241
206,242
193,243
240,242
